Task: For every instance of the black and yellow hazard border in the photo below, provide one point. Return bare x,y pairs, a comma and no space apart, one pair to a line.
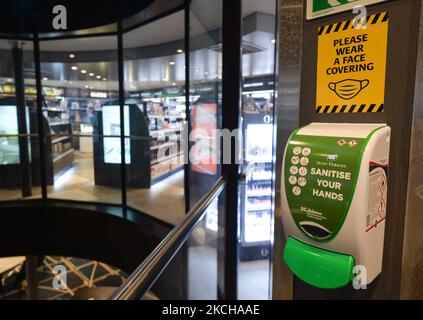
342,26
350,108
349,24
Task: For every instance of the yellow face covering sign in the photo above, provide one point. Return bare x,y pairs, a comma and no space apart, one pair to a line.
351,65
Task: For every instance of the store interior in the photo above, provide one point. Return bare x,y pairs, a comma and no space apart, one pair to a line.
81,119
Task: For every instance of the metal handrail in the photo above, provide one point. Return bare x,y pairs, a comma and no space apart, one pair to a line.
141,280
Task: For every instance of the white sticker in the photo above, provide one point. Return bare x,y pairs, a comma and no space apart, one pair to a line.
378,186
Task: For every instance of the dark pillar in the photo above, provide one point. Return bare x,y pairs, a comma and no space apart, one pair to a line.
31,277
187,105
25,166
41,133
231,87
121,71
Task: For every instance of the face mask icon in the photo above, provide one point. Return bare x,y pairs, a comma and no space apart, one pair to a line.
349,88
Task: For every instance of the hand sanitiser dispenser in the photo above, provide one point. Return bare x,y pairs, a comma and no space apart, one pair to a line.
334,198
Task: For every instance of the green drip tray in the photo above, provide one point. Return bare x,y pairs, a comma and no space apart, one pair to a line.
318,267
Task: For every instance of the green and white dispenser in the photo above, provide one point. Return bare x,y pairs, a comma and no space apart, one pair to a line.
334,197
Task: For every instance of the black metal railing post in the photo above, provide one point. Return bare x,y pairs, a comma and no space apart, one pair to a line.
231,105
24,163
121,70
41,133
187,105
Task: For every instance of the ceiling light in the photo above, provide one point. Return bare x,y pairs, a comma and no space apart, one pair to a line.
9,80
91,88
273,41
198,69
104,79
83,71
98,77
206,73
45,78
172,63
74,68
179,51
86,87
173,83
71,55
92,74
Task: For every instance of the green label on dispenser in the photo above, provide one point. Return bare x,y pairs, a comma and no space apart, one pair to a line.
320,177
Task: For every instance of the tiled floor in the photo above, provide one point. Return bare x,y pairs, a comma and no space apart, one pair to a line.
80,274
254,276
164,200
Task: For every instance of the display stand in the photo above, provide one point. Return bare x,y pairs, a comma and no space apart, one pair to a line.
58,135
58,147
150,154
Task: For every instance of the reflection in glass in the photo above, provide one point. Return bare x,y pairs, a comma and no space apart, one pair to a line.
203,152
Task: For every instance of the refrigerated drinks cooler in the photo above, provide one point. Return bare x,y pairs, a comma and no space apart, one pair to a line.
256,191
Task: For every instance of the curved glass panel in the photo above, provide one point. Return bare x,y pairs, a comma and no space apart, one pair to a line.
206,250
257,192
81,116
154,81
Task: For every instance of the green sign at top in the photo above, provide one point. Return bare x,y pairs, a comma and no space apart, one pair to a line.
320,8
320,178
